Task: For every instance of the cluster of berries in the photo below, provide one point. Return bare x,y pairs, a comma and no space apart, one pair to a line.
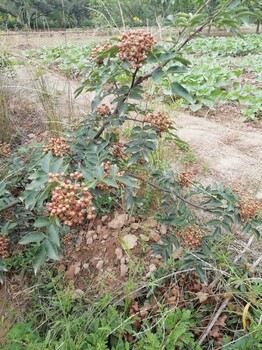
134,46
191,236
107,166
158,120
103,110
97,50
5,150
118,150
185,179
249,209
58,146
71,201
3,246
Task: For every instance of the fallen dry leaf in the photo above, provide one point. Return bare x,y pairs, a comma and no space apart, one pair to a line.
202,296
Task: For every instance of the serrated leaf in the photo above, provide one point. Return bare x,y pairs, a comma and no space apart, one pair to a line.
46,161
110,182
2,267
42,222
177,69
246,228
128,181
201,274
53,235
156,76
39,259
51,250
54,168
32,237
178,90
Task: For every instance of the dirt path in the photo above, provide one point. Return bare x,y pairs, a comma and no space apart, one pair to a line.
232,151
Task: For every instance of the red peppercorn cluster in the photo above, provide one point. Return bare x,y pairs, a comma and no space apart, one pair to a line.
3,246
58,146
71,201
158,120
134,46
185,178
118,150
5,150
103,110
97,50
249,209
107,167
191,236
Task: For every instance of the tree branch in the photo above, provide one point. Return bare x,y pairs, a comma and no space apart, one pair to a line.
171,192
11,205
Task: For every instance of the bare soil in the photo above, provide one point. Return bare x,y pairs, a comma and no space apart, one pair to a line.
231,150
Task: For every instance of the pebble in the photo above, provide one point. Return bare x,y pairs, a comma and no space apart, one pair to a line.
119,253
89,240
77,294
130,240
100,264
123,270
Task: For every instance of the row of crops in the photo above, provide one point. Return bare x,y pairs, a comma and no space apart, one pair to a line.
223,70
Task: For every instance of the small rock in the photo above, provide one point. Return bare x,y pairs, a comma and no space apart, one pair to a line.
90,233
118,222
130,240
99,229
89,240
95,236
70,272
123,270
152,267
123,260
77,294
103,241
86,266
104,218
154,236
105,236
126,230
158,256
163,229
150,222
135,226
119,253
77,269
31,136
100,264
143,237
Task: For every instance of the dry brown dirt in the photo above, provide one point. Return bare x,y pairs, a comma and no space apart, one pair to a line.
231,151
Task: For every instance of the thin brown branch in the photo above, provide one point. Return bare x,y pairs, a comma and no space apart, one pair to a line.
140,79
11,205
169,191
196,13
212,323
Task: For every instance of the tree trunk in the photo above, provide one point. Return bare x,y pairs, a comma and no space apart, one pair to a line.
258,26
